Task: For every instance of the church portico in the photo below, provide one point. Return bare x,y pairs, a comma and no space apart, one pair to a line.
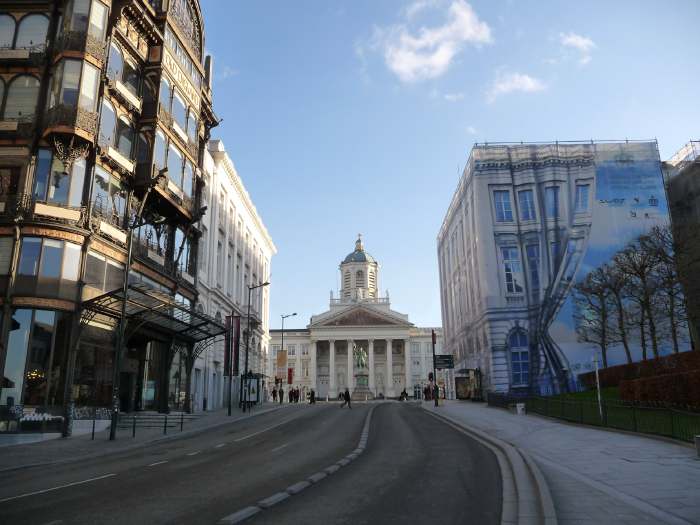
359,343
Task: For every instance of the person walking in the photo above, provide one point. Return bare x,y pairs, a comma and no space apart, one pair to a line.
274,395
281,395
346,399
312,397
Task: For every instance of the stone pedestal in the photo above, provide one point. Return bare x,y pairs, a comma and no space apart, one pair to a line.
362,391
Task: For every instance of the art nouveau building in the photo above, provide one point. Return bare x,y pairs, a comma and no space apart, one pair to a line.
399,354
235,251
525,223
105,111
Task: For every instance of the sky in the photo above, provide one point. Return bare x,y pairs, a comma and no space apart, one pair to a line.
357,116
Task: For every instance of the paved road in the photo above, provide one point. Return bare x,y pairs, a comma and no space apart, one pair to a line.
203,478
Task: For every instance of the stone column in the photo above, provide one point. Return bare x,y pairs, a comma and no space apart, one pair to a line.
332,391
407,368
298,372
351,387
389,370
312,366
372,387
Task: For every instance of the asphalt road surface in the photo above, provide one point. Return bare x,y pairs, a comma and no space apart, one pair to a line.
415,469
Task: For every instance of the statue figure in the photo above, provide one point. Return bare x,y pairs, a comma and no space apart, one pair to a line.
360,356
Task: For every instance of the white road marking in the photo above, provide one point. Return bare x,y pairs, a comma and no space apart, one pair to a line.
279,448
220,445
263,430
194,453
56,488
158,463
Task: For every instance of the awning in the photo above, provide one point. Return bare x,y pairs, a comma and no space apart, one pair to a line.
148,306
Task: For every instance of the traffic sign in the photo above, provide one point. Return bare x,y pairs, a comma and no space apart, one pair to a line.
443,361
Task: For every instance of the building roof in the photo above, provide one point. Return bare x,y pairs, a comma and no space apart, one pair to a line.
359,255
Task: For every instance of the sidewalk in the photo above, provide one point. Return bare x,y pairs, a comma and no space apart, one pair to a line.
83,447
597,476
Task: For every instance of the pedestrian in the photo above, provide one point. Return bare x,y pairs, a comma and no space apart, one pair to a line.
312,397
274,394
281,395
346,398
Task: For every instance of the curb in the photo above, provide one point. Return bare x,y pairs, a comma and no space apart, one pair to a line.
526,496
296,488
134,446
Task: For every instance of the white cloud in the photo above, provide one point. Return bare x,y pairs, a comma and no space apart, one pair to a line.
471,130
582,44
428,52
511,82
453,97
228,72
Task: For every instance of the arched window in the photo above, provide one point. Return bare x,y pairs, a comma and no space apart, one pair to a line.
159,150
7,31
192,127
132,77
519,358
164,94
108,124
115,66
31,32
125,137
22,96
179,111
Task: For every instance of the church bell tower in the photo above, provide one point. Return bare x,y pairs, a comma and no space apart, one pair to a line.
359,275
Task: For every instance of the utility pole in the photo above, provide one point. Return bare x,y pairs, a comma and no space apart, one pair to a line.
435,387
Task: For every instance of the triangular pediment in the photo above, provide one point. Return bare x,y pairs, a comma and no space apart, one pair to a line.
359,316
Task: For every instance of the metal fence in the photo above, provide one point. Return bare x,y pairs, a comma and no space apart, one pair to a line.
668,422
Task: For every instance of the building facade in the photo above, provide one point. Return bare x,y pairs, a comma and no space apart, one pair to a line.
526,223
105,111
235,251
359,343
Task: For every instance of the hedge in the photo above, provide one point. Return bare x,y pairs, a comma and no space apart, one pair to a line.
670,364
680,390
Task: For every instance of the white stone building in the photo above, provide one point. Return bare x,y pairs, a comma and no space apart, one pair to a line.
321,356
235,252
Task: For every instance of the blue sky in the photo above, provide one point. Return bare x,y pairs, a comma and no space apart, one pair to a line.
358,116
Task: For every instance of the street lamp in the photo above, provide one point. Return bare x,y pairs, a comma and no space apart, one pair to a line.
283,318
138,221
247,342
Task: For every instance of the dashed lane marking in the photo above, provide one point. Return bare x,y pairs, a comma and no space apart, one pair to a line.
263,430
56,488
194,453
158,463
220,445
279,448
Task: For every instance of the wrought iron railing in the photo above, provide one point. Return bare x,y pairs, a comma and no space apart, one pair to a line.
83,42
72,117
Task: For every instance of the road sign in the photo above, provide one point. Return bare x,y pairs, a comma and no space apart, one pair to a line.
443,361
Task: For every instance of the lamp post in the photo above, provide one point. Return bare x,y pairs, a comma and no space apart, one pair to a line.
247,343
138,221
283,318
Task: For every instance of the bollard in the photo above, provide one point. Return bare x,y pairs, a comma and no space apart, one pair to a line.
165,424
697,445
94,415
182,420
133,426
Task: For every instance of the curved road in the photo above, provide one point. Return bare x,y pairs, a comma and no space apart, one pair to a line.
415,469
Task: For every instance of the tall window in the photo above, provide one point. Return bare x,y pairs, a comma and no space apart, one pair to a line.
31,32
108,124
115,64
164,94
291,350
54,185
192,127
7,31
504,212
125,137
159,150
519,358
551,198
175,165
48,267
582,196
179,111
109,199
188,179
86,16
512,269
21,98
527,205
533,263
359,279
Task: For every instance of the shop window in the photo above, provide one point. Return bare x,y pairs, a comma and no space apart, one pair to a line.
52,184
192,127
21,98
188,179
108,124
175,165
179,111
36,352
108,197
125,137
48,268
7,31
31,32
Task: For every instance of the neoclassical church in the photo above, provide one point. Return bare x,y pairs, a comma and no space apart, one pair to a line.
359,343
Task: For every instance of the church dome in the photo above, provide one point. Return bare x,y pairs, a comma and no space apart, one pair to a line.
359,255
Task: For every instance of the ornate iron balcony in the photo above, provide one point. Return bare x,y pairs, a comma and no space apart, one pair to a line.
72,117
83,42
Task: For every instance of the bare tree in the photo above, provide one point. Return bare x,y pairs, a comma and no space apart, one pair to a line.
616,282
593,301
